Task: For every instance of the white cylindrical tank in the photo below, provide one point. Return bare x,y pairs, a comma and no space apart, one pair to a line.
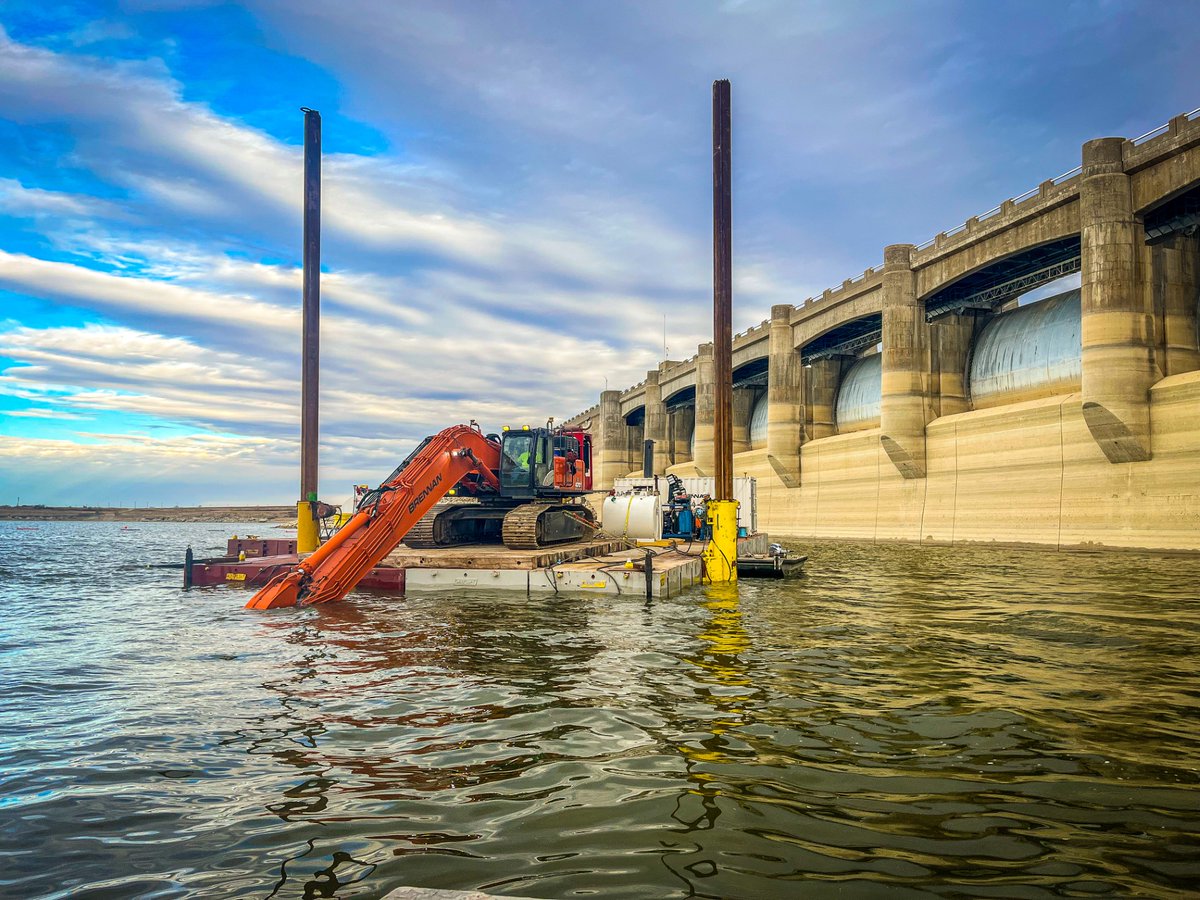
632,516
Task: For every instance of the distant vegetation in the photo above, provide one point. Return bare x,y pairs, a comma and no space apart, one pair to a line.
41,512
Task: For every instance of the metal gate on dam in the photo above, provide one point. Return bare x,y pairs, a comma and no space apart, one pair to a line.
924,400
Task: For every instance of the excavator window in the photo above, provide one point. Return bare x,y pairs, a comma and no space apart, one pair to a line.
541,465
564,444
516,458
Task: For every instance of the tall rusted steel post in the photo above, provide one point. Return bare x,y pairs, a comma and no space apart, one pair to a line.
307,533
720,554
722,293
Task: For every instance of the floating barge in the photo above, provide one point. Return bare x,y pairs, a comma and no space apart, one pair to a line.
595,567
608,566
252,562
769,565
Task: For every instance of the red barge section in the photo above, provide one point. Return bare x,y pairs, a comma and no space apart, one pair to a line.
252,562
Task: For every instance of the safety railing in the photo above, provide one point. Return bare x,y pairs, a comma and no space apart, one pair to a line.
1163,129
999,208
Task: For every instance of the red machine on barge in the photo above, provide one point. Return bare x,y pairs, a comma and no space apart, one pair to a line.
524,488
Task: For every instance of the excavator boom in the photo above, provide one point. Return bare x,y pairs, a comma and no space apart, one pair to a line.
384,518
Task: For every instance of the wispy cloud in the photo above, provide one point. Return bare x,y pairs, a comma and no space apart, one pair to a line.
34,413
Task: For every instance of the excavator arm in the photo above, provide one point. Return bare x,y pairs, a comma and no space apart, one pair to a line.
384,517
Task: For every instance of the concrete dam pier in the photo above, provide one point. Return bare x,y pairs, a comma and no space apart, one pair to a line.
923,401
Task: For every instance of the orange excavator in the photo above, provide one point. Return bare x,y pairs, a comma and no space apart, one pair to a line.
528,483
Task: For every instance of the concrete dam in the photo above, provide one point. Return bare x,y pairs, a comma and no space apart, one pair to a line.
929,400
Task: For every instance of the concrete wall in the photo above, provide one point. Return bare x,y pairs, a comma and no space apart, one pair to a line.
1028,474
1106,455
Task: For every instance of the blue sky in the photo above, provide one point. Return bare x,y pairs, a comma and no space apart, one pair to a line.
516,194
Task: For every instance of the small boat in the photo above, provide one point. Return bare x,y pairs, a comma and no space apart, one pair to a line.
778,563
28,528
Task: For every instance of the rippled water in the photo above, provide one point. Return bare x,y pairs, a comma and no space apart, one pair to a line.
901,722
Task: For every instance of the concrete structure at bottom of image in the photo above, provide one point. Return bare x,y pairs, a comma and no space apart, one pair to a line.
921,401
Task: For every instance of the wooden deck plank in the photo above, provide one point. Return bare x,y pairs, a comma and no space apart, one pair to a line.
662,562
495,556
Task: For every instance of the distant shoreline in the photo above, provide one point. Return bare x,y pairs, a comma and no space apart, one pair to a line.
148,514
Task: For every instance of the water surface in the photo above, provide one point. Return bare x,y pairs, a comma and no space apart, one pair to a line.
901,722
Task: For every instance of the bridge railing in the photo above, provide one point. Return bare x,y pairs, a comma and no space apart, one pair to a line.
1005,205
1164,128
1057,180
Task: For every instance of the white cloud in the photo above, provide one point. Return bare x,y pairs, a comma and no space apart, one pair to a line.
18,200
99,469
131,113
126,295
136,132
44,414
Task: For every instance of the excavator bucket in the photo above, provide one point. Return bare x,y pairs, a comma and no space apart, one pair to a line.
381,523
282,590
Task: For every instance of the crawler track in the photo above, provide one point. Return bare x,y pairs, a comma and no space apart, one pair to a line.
536,525
420,536
454,522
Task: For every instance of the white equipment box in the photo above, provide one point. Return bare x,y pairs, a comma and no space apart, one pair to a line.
745,492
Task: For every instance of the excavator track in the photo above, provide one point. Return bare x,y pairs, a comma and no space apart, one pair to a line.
536,525
452,523
422,535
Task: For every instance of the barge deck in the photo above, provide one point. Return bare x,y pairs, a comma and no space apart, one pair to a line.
608,566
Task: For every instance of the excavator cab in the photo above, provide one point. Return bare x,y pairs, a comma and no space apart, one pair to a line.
522,454
543,462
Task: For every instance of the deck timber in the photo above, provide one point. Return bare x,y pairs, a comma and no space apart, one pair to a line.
614,572
495,556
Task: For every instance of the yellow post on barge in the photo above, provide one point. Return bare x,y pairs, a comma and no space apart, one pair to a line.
308,536
720,555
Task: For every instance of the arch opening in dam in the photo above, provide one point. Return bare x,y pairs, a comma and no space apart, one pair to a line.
758,423
993,285
846,339
1022,354
1027,353
860,395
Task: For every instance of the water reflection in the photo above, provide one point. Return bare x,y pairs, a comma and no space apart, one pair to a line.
342,871
454,709
931,721
724,681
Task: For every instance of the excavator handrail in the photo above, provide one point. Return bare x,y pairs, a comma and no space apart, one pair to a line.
377,528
